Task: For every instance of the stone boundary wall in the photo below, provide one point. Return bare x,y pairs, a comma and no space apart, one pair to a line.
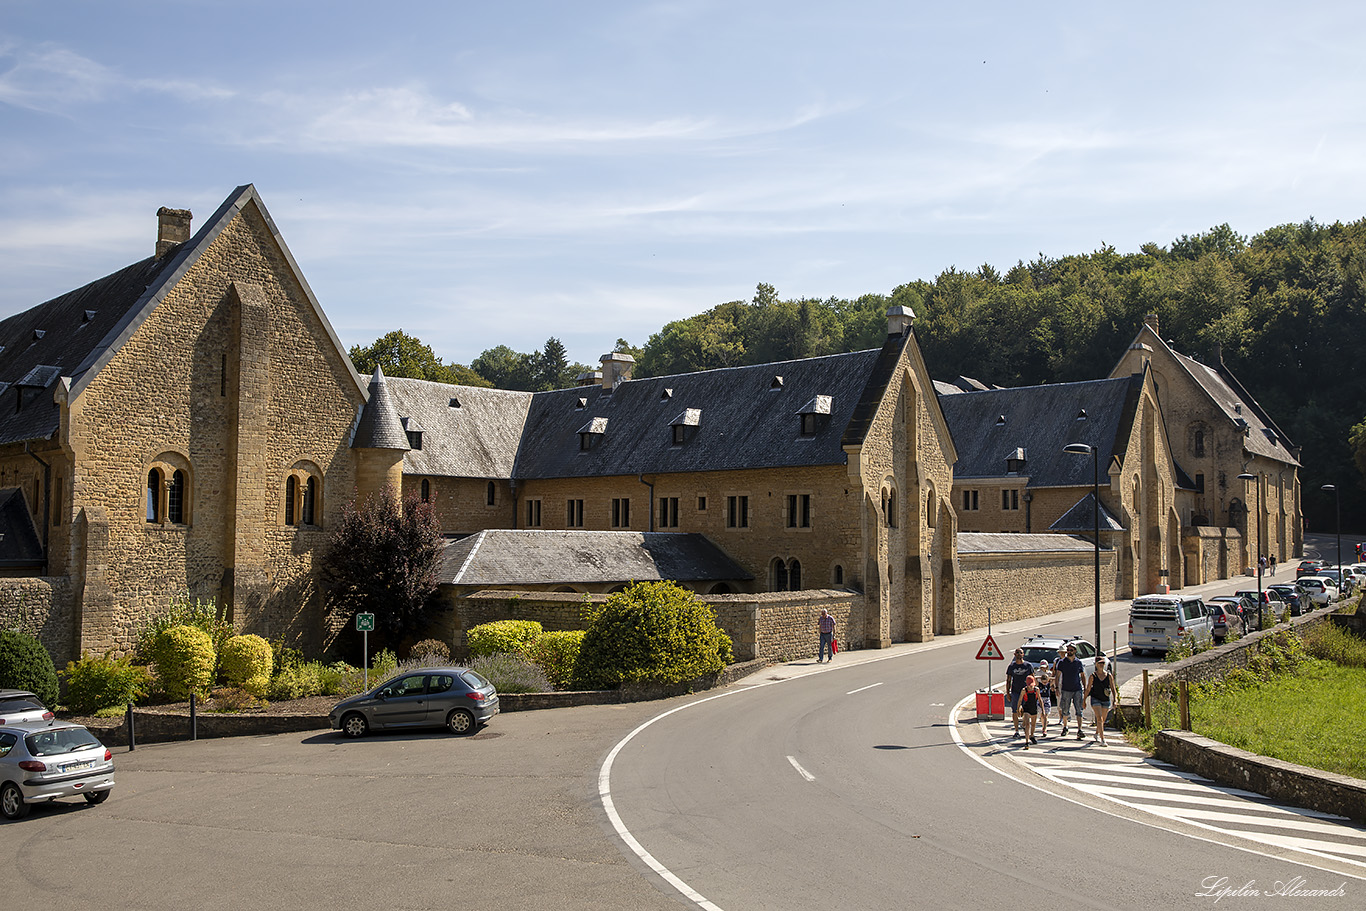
766,625
1021,586
1297,785
43,607
1281,781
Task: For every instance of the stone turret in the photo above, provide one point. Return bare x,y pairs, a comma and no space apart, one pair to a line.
379,442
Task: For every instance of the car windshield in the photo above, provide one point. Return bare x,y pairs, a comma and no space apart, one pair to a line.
60,740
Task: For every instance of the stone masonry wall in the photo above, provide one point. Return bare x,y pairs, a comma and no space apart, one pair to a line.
1021,586
44,608
169,395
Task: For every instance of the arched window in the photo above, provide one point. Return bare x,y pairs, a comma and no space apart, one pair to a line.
838,575
175,498
310,499
794,576
154,496
291,494
779,576
426,490
492,494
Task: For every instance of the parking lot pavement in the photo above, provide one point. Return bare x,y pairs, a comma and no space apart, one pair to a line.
507,819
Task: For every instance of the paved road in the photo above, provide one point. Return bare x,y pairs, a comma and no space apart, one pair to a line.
893,811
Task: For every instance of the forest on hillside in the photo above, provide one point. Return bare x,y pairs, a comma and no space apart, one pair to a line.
1287,307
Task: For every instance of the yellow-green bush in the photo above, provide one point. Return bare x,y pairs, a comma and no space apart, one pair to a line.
555,653
184,660
246,662
297,682
105,682
503,637
654,632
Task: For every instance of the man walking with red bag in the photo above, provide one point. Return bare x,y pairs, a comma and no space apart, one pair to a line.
826,625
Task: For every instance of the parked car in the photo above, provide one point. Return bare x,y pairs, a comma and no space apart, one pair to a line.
41,761
1223,617
1296,599
21,705
1321,590
1352,578
1156,621
452,697
1308,568
1273,606
1045,648
1343,584
1242,610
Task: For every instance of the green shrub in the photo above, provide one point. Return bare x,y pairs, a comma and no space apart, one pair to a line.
515,636
352,680
511,673
184,659
26,665
245,662
555,654
297,682
185,611
282,656
231,699
106,682
1333,643
654,632
430,652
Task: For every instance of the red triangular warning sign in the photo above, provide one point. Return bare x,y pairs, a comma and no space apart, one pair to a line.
990,651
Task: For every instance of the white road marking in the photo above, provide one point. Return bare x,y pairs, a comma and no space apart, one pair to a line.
862,688
800,771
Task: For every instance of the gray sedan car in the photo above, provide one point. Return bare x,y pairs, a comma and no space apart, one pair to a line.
41,761
455,698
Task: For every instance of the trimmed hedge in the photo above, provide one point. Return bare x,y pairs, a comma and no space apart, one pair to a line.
555,653
184,659
26,665
246,662
503,636
654,632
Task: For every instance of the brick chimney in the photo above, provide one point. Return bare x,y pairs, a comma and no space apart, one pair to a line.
173,227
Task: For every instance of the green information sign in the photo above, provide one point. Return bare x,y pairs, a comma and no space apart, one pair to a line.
365,623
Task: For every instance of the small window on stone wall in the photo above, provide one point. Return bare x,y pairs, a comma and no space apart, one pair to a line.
168,493
153,496
303,491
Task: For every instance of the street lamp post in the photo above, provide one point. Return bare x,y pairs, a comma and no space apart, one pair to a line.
1256,556
1084,449
1337,504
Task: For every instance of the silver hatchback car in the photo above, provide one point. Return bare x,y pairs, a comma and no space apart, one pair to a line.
452,697
22,705
41,761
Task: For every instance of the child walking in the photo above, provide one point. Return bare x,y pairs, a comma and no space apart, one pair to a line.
1030,703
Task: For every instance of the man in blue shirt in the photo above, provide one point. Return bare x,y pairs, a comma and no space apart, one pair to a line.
1071,673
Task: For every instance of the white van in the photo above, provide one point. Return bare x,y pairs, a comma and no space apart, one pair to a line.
1156,621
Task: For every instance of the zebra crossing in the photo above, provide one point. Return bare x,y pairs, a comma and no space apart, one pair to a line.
1126,775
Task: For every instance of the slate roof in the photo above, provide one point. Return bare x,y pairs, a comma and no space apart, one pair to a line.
981,542
380,426
467,431
77,333
1041,420
529,556
1081,518
19,542
734,418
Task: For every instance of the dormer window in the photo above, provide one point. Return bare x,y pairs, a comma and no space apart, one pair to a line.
1015,462
455,403
413,431
814,415
666,394
590,433
685,425
580,404
775,384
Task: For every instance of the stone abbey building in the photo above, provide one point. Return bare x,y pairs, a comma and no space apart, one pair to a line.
191,425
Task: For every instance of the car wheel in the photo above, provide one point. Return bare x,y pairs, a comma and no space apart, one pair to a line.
355,725
461,722
12,804
95,797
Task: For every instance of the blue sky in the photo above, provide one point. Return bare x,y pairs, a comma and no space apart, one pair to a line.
479,174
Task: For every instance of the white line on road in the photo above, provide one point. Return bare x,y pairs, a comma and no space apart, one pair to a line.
800,771
859,690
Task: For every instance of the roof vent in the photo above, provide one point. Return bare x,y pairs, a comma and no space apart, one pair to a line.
455,403
666,394
1000,420
1237,406
39,333
776,383
89,315
580,403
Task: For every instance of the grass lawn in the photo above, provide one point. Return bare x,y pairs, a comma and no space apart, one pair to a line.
1313,717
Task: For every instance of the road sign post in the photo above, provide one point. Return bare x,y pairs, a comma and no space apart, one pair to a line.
364,624
990,704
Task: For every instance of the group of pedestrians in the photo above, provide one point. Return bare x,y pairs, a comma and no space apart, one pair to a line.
1031,692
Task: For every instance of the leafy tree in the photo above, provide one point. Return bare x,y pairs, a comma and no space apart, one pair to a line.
403,355
507,369
552,366
385,558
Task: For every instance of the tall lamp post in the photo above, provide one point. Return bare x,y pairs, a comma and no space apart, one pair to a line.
1256,556
1337,502
1084,449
